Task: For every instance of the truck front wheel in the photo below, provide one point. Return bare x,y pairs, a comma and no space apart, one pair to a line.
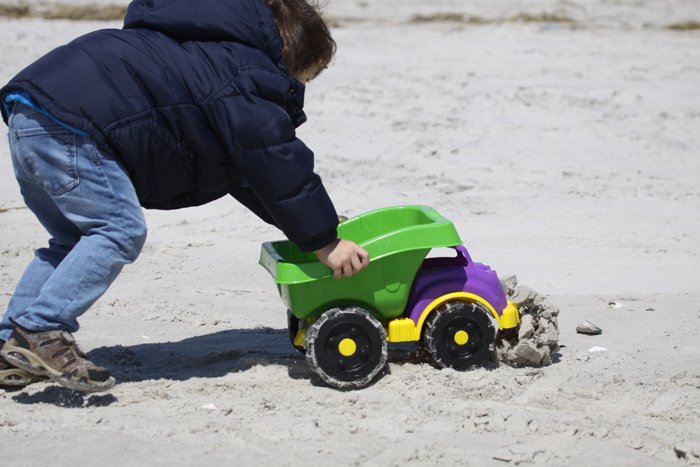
459,335
346,347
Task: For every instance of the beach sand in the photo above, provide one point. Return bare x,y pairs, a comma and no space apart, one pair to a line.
561,137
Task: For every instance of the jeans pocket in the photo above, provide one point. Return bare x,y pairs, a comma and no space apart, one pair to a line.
49,157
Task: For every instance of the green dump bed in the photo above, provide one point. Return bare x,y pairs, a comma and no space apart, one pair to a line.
397,240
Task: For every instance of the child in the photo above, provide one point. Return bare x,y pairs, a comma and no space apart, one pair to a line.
189,102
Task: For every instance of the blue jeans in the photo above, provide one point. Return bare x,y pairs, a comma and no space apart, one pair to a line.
87,203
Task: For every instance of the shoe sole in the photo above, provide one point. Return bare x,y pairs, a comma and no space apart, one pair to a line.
17,377
85,386
30,362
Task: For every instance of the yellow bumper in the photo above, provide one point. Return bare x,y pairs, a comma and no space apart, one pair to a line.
510,317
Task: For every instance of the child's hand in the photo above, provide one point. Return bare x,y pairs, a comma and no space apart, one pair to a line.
344,257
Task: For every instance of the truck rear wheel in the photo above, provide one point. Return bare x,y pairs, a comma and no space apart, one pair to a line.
459,335
346,347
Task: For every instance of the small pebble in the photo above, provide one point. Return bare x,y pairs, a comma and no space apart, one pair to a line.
588,328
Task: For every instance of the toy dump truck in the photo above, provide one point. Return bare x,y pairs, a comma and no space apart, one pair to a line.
451,305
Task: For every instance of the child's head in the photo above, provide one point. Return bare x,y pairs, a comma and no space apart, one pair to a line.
307,45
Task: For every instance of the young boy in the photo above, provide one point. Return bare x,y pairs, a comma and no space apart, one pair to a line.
189,102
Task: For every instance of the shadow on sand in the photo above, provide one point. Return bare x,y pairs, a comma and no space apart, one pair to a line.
64,397
205,356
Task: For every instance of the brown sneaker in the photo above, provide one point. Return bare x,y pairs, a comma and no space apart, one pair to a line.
10,375
56,355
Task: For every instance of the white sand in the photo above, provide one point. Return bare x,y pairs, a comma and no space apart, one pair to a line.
565,154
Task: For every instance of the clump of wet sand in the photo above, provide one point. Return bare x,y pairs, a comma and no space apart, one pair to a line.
536,340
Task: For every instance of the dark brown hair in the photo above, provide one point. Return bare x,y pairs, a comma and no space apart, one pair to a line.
306,42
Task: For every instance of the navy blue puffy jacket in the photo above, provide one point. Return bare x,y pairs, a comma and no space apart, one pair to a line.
195,99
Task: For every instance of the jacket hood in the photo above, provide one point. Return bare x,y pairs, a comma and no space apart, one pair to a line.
249,22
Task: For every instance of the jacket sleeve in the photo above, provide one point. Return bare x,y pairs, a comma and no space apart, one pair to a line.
278,167
247,198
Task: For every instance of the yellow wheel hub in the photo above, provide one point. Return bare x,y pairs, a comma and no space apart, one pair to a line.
347,347
461,337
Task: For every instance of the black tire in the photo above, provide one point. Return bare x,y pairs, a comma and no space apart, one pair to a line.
459,335
293,328
346,347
